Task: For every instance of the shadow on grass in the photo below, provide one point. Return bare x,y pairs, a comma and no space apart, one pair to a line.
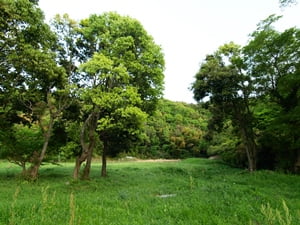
47,172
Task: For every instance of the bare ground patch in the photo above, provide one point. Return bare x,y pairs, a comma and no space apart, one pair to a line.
157,160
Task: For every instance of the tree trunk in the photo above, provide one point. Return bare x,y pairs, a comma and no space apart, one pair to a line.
243,116
92,139
297,162
251,149
251,154
23,165
33,170
103,169
88,145
79,161
87,168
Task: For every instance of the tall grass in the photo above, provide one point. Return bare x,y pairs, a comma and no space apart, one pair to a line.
12,208
276,216
193,191
72,210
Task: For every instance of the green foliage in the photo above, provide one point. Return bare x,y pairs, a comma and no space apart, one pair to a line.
273,59
118,70
222,79
175,130
120,111
119,44
257,88
32,85
19,144
71,140
107,64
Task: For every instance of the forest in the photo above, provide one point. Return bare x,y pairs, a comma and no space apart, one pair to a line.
77,90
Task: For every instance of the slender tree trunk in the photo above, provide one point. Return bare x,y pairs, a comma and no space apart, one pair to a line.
92,139
103,169
89,127
251,155
79,161
251,149
297,162
247,133
23,165
250,138
33,170
87,168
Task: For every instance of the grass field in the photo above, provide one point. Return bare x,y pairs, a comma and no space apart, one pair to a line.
192,191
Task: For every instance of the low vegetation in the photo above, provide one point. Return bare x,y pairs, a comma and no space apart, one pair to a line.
191,191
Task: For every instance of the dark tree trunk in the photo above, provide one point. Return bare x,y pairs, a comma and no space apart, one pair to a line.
243,116
297,162
251,153
103,169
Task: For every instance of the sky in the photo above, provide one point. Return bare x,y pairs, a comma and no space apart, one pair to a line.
186,30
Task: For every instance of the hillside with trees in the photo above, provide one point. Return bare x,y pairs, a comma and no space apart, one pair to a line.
175,130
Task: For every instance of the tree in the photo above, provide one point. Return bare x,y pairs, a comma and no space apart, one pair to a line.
273,59
69,55
31,82
221,78
19,144
121,119
121,59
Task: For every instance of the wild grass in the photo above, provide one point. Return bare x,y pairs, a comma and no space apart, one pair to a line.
192,191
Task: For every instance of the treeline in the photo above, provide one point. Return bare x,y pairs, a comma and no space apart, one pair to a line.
253,94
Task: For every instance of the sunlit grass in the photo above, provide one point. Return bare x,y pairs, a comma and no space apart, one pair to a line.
193,191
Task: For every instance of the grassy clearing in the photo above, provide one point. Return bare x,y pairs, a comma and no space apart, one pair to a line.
193,191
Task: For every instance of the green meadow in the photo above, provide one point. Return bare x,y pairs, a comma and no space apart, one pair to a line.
191,191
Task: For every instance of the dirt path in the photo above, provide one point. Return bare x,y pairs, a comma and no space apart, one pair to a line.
157,160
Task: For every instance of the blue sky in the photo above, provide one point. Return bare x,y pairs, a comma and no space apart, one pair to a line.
187,30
